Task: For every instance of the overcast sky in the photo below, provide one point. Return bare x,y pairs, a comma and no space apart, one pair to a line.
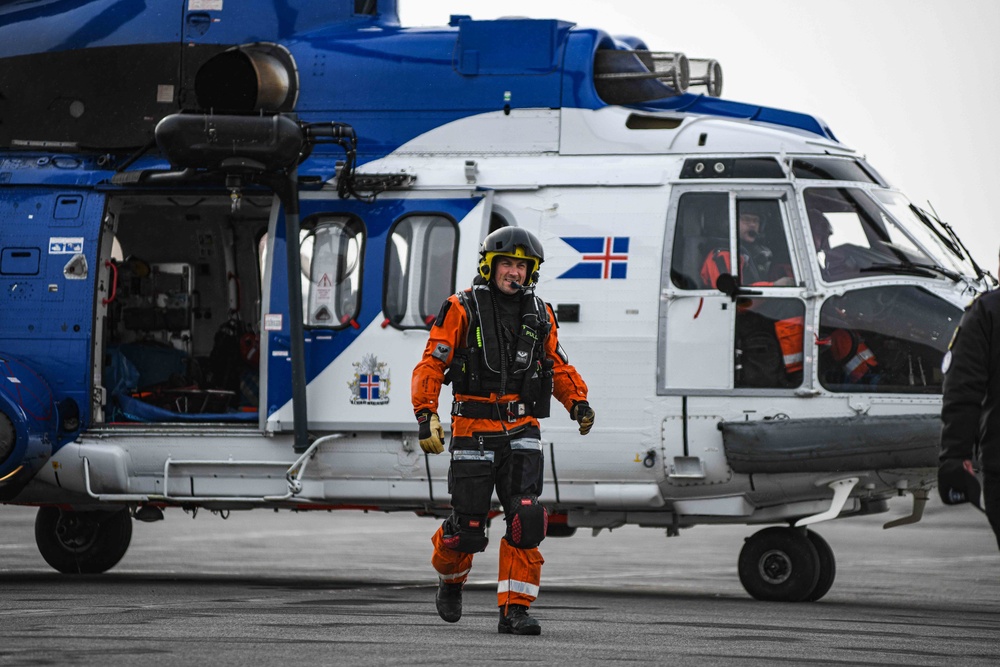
914,85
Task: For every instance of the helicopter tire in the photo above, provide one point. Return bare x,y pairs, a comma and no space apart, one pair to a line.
82,542
827,566
779,565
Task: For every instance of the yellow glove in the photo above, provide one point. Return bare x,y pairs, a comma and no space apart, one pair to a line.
431,433
584,415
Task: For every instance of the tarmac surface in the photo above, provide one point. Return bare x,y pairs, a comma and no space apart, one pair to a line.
347,588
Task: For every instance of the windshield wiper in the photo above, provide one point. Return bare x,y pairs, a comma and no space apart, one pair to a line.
956,242
949,241
908,269
948,273
914,269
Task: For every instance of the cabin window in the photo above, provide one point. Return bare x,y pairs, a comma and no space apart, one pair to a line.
420,269
497,221
332,249
853,237
702,242
884,339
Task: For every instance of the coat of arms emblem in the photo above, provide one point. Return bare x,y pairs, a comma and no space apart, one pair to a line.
370,385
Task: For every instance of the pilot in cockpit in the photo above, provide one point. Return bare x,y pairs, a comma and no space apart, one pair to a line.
756,259
834,263
821,232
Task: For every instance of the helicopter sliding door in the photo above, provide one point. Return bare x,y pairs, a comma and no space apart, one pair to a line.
711,341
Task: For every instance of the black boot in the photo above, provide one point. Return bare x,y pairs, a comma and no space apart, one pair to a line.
449,601
518,622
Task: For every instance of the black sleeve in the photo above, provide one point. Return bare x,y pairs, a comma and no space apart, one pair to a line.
965,383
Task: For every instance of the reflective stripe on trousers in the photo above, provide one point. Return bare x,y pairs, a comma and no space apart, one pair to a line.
456,576
515,586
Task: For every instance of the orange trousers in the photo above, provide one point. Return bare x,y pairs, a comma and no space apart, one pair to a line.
520,570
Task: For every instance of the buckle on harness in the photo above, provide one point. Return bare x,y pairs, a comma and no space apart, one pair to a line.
515,410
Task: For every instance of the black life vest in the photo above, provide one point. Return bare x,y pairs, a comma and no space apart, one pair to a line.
485,363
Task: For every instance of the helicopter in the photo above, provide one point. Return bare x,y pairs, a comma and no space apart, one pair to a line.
227,228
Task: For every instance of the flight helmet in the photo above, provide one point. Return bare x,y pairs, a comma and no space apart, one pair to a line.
511,242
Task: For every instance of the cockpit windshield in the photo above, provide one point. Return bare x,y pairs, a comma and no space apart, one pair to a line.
942,248
855,237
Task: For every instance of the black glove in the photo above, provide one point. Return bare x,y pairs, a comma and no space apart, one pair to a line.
430,432
957,482
584,415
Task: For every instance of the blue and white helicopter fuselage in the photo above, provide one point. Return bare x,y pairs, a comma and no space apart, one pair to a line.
156,355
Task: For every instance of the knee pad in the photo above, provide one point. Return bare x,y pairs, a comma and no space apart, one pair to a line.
465,534
528,523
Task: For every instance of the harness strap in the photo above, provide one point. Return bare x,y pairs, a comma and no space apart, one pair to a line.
511,412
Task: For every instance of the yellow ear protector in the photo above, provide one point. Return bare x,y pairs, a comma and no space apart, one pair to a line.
486,263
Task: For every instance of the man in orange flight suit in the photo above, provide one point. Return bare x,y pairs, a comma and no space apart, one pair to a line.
496,344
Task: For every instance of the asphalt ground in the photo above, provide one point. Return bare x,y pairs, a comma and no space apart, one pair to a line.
347,588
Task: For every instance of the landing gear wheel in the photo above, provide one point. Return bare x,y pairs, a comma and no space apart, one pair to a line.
82,542
779,564
827,567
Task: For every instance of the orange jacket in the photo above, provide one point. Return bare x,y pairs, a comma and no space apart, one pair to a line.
718,262
445,337
856,366
790,338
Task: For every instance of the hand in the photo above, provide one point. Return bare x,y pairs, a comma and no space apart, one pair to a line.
957,482
430,432
584,415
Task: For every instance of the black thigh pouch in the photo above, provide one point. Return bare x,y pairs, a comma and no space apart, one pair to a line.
526,468
470,481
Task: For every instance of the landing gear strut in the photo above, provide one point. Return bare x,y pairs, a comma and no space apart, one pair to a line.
786,565
82,542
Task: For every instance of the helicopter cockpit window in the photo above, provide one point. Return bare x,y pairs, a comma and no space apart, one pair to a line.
420,269
834,169
702,226
701,250
769,338
854,238
946,253
769,330
884,339
763,248
331,248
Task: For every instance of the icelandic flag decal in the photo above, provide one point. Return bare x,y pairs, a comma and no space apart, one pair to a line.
602,257
368,386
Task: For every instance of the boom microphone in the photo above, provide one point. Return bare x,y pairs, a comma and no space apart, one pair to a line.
518,286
